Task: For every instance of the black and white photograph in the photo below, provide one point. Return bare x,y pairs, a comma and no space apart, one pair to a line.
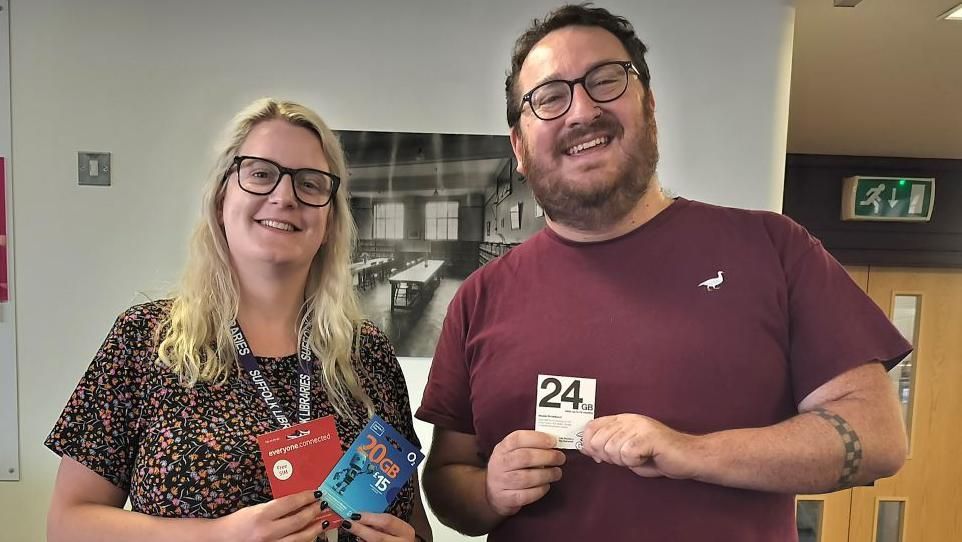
430,209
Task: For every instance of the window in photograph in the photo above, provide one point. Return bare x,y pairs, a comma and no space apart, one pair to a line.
441,220
389,221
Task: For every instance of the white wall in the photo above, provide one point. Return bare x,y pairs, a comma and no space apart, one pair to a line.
9,449
153,82
416,375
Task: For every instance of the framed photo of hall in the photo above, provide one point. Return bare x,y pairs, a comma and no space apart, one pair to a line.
430,209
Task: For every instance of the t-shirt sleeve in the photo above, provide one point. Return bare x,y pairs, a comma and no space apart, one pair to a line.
833,325
446,402
392,400
99,425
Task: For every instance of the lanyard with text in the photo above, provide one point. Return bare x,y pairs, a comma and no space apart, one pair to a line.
253,369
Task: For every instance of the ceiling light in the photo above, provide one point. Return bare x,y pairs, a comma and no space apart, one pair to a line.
954,14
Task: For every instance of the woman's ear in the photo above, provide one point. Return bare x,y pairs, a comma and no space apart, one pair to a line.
219,204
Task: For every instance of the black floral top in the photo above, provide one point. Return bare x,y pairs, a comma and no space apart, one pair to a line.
192,452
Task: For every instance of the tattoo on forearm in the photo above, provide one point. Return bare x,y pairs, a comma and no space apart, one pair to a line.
853,446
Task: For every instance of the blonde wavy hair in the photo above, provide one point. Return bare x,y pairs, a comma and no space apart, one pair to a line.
195,340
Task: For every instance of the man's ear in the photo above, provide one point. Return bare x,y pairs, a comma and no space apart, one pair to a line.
517,144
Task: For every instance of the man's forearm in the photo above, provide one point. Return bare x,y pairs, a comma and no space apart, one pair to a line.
840,445
457,496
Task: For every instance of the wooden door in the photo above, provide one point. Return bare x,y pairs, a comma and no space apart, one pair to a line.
927,492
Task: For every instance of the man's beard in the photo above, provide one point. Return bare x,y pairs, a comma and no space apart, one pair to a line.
596,206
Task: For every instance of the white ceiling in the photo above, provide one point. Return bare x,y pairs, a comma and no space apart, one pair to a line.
880,79
447,178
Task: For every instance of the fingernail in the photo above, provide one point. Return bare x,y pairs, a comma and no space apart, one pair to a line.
346,525
323,505
318,493
325,524
355,516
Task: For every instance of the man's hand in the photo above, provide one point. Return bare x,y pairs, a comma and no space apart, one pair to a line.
647,447
521,470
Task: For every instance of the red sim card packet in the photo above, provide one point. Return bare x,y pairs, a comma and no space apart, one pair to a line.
300,457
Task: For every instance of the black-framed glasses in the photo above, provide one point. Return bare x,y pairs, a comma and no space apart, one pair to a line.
260,176
604,83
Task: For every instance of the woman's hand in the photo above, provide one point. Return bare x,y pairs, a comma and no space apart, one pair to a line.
379,528
288,519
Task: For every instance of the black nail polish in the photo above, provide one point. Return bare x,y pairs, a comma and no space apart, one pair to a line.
346,525
355,516
323,505
325,524
318,493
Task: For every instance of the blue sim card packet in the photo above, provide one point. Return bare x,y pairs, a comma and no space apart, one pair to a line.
372,472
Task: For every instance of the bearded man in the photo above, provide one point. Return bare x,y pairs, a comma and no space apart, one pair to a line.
727,360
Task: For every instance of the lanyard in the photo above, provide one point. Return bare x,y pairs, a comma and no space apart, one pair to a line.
253,368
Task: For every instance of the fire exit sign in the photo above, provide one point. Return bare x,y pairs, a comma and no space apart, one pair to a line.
900,199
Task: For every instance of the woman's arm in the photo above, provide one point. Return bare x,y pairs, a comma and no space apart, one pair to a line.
87,508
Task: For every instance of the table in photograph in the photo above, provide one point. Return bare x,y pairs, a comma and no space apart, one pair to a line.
367,271
414,285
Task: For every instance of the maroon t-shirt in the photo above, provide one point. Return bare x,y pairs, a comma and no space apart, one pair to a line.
638,314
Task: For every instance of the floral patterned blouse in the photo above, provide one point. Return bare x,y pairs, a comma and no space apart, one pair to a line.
192,452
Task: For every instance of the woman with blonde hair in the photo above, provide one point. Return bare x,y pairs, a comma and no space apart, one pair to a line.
168,412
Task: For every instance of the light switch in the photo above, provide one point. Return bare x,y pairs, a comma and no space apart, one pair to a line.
94,168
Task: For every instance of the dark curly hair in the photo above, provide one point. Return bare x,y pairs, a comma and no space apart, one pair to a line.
571,15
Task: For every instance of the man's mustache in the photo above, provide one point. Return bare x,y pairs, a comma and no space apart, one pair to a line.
604,125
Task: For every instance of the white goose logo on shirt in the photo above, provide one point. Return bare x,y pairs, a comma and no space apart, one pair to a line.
713,283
